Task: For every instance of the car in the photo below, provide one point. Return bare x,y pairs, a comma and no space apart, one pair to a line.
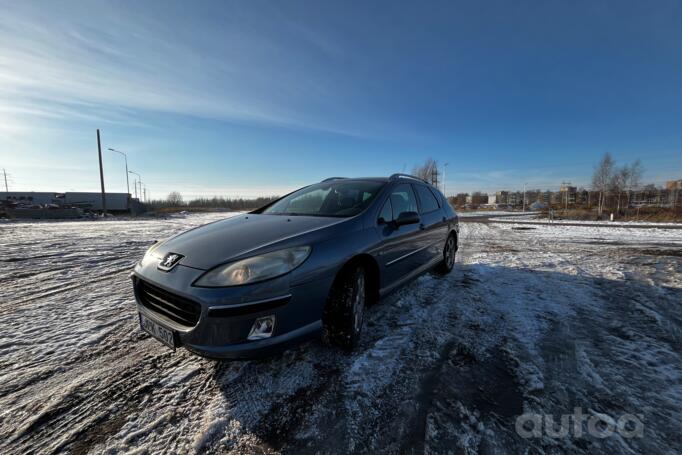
304,265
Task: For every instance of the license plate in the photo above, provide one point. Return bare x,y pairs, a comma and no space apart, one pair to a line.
164,335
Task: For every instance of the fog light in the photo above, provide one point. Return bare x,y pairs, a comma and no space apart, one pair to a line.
262,328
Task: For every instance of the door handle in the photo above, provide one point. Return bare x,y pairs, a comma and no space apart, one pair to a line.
421,226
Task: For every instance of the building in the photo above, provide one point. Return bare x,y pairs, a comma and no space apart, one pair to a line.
478,199
582,197
502,197
93,201
567,194
515,199
460,200
32,197
673,188
116,202
672,185
533,196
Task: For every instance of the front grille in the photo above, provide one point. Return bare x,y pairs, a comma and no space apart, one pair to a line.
178,309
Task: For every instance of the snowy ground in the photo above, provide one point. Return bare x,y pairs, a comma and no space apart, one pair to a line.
479,213
537,319
534,219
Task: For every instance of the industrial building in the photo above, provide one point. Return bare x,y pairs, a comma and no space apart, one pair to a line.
116,202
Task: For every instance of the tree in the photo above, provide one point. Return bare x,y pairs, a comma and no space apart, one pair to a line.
625,180
175,199
427,171
617,183
602,178
634,178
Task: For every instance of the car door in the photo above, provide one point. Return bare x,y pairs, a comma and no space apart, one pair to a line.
398,243
433,222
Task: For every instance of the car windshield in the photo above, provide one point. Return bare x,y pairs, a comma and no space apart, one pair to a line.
337,198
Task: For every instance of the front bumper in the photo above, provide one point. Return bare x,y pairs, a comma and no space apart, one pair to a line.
226,315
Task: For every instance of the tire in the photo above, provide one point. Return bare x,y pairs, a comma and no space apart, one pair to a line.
344,312
449,250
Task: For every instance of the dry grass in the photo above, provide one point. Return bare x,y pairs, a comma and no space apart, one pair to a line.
652,214
196,209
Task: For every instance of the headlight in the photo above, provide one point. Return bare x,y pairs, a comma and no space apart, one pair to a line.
254,269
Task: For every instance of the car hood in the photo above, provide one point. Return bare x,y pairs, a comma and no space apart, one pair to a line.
210,245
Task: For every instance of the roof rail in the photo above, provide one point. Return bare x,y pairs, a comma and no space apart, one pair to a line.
332,178
406,176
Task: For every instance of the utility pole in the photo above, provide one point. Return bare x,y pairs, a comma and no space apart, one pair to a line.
101,175
524,196
139,180
5,174
444,166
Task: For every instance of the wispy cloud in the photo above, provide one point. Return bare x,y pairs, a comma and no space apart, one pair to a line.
54,61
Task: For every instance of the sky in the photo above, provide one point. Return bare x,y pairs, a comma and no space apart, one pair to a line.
252,98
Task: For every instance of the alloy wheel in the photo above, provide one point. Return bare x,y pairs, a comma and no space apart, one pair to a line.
358,301
450,252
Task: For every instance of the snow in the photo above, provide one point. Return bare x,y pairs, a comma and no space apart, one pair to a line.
611,235
479,213
533,218
539,320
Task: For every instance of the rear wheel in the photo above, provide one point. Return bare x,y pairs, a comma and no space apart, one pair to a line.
449,250
344,312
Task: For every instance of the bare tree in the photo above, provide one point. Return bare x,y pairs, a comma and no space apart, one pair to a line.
618,183
634,179
601,178
175,199
427,171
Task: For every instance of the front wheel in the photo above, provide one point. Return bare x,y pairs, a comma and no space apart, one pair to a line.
448,262
344,312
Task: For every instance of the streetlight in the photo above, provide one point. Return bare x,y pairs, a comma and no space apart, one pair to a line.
139,177
126,160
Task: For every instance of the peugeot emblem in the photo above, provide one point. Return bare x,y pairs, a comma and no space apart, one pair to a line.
169,261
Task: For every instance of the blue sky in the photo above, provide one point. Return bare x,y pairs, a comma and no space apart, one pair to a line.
252,98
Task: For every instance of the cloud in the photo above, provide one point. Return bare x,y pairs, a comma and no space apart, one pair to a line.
56,63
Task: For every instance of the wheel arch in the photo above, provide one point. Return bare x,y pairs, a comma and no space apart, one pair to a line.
373,275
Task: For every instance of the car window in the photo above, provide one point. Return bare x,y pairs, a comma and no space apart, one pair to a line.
309,202
336,198
386,211
427,199
403,200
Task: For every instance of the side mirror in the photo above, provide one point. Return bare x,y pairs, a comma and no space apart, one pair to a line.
407,218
